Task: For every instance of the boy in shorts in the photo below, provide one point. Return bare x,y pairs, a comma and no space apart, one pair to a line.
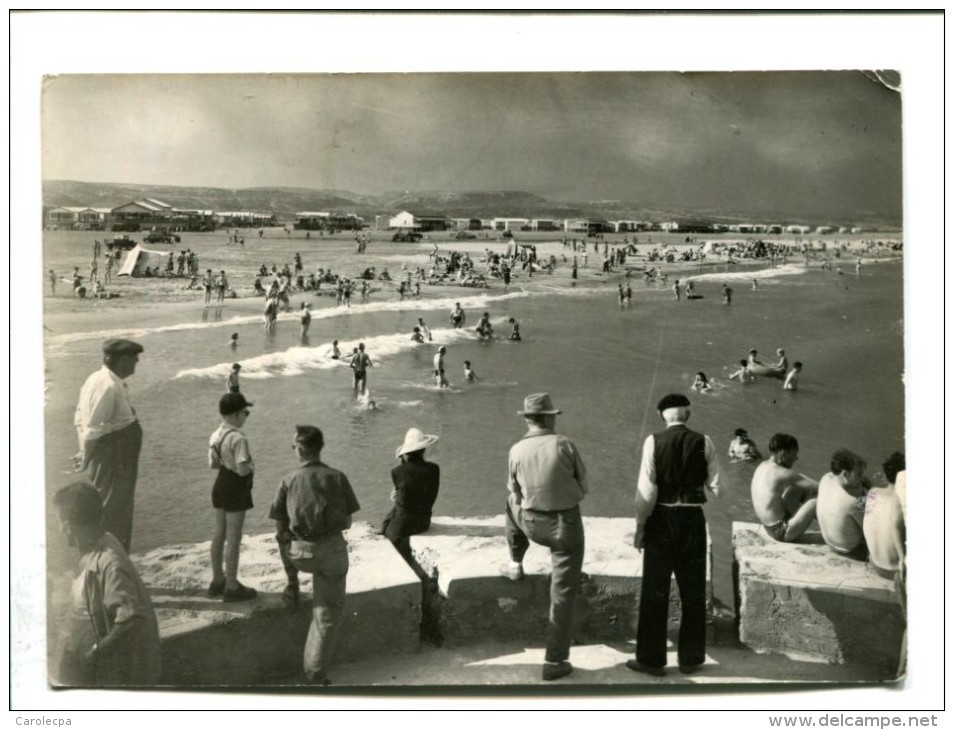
231,497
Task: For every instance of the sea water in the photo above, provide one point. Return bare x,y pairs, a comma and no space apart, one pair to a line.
604,365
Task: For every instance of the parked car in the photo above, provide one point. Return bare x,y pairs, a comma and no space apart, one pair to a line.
407,237
465,236
161,237
123,244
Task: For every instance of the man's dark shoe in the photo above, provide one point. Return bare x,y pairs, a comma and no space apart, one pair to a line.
216,588
689,668
291,594
242,593
555,670
638,666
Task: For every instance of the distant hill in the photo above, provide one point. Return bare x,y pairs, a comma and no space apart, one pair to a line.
286,201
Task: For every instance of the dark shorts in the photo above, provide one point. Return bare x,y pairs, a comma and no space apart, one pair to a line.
232,492
777,531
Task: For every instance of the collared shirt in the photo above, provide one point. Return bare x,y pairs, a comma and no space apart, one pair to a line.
315,500
108,591
103,406
228,447
646,488
546,472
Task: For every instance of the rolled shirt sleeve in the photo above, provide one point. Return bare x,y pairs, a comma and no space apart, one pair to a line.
714,480
646,489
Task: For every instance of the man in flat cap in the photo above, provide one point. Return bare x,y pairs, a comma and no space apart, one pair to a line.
678,466
547,482
110,436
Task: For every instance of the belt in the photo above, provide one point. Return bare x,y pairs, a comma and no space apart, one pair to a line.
677,504
319,538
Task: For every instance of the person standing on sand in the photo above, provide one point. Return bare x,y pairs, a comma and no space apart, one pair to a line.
231,497
677,467
208,281
546,482
312,508
110,437
783,500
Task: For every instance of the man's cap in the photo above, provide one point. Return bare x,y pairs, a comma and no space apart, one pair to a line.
121,347
538,404
673,400
232,403
310,437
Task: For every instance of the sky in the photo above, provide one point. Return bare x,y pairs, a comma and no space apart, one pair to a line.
810,144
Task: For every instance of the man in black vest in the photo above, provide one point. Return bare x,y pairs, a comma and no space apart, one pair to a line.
677,466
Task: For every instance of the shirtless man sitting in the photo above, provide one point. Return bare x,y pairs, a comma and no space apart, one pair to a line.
784,500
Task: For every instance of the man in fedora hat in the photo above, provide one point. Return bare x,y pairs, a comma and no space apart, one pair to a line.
678,466
547,482
110,436
312,507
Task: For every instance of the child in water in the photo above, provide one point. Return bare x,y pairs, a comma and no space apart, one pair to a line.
469,373
233,381
234,341
701,383
515,332
742,447
743,374
791,380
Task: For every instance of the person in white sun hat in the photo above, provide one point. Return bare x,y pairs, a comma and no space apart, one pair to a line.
416,483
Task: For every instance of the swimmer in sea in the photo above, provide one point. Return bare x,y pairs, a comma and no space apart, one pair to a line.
469,373
483,328
515,332
629,293
742,447
677,290
417,336
439,367
234,341
755,284
754,357
726,294
622,295
335,351
232,384
425,330
743,374
791,380
690,290
782,363
305,319
457,316
701,383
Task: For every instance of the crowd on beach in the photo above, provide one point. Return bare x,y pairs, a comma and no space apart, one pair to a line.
114,640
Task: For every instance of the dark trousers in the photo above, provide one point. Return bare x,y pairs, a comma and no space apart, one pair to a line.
675,542
113,468
562,532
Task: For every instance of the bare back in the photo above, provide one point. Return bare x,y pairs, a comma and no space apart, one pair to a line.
768,483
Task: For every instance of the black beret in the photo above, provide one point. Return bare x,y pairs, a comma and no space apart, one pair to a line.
122,347
673,400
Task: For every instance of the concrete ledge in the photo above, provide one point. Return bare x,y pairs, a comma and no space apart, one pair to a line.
805,601
473,601
207,642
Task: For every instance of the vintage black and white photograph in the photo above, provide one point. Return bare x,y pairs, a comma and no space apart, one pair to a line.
503,380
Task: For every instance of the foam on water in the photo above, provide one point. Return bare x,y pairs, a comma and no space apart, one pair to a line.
298,360
748,275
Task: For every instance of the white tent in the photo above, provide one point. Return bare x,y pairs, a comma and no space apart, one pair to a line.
139,259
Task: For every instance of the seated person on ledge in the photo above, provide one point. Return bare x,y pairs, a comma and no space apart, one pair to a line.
884,522
784,500
841,505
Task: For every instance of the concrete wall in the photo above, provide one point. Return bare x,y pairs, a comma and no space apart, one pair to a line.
805,601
